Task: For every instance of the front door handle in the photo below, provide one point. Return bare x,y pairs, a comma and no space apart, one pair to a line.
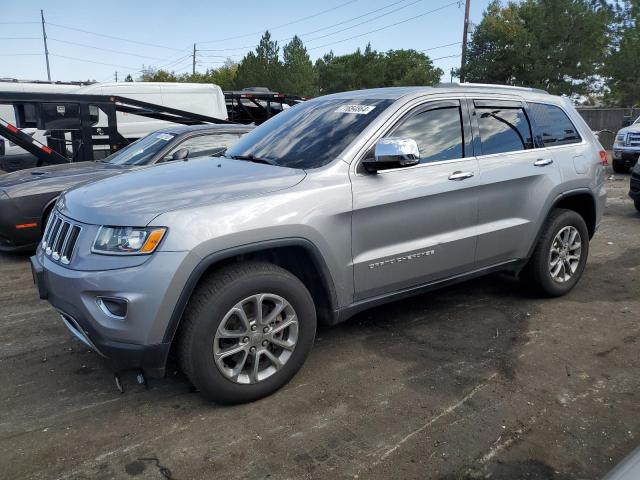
543,162
460,175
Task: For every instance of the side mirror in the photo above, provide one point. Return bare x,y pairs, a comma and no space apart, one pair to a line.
393,152
180,154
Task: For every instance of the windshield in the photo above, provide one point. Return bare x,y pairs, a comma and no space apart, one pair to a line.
309,135
142,151
637,120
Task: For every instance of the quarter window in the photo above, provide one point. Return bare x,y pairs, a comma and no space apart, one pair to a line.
437,132
503,129
553,125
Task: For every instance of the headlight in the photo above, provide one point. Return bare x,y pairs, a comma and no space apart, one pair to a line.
620,137
127,240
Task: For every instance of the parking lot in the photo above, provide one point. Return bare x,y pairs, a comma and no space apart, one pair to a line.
477,380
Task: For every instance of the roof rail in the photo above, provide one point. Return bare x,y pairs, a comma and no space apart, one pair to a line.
491,85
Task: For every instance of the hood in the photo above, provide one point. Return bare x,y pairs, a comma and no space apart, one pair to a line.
138,197
631,128
55,177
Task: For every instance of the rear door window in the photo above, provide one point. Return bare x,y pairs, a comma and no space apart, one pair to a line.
553,126
503,128
436,130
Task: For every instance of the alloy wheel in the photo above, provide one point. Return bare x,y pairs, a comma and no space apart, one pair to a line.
255,338
565,254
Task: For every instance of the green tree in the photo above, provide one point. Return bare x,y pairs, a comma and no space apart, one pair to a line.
371,69
128,78
261,68
557,45
299,75
409,67
621,68
151,75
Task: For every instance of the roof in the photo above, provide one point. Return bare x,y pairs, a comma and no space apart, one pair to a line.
223,127
395,93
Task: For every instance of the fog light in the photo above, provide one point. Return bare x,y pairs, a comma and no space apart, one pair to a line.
113,306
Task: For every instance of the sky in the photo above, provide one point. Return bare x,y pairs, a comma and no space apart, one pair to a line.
161,33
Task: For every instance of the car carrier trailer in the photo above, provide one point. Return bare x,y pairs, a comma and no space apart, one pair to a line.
71,120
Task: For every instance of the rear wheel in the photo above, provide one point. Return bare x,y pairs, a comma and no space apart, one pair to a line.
619,166
636,203
560,256
247,330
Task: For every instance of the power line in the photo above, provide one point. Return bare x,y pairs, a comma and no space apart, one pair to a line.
113,37
387,26
18,54
19,38
366,21
18,23
284,24
327,27
440,46
104,49
353,18
448,56
92,61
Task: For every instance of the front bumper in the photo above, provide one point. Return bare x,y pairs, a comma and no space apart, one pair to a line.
132,342
628,155
14,239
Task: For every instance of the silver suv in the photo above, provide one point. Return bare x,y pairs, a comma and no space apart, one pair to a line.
336,205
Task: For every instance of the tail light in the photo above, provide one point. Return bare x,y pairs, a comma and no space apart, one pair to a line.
603,158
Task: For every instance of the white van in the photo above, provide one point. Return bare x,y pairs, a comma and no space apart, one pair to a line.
203,98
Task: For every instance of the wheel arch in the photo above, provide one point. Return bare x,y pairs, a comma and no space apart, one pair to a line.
580,201
297,255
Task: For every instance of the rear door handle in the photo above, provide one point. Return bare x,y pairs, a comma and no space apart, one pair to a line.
460,175
543,162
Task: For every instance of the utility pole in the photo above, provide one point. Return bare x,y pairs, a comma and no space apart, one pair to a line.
464,40
194,59
116,76
46,50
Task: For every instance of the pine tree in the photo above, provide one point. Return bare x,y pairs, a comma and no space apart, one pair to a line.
299,75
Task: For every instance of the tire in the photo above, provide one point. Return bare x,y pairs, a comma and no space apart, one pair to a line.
636,204
211,315
619,166
538,273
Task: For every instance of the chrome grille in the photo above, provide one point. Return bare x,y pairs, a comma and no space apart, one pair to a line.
633,139
60,237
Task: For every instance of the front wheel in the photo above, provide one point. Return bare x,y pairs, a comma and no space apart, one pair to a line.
247,330
619,166
560,256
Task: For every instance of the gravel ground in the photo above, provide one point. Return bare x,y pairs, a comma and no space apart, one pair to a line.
474,381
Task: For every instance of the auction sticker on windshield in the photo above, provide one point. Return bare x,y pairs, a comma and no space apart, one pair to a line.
358,109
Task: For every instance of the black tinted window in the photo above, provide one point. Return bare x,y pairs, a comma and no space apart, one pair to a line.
142,151
438,133
311,134
554,127
503,129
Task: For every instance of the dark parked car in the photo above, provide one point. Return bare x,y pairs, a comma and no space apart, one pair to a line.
634,187
27,196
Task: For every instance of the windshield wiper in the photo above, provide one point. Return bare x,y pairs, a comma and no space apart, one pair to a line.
253,158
